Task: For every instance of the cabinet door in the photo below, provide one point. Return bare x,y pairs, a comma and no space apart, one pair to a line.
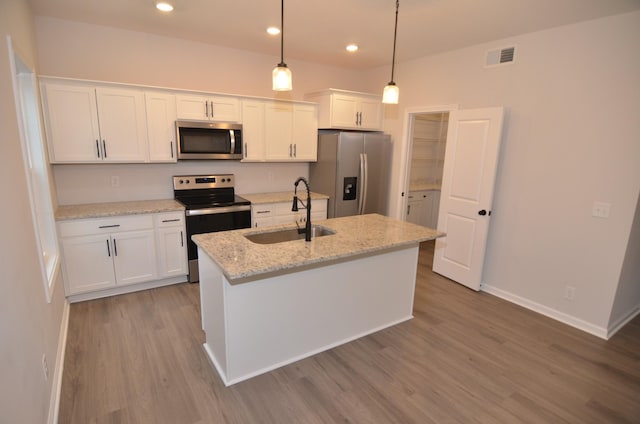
259,222
278,131
134,256
225,109
344,111
370,114
305,133
122,124
192,107
253,131
161,129
416,208
172,252
71,123
88,264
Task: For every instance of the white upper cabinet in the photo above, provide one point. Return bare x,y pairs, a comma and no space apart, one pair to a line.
123,127
279,131
208,108
253,131
161,129
85,123
71,123
341,109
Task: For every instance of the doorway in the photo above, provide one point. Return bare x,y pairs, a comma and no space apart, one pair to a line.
426,135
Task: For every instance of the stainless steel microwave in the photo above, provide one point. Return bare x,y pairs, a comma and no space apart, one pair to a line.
209,140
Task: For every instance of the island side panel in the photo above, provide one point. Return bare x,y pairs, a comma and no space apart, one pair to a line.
212,312
279,320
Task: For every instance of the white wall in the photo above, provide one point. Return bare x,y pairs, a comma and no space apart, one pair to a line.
571,137
29,326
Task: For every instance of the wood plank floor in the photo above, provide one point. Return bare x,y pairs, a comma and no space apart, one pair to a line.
466,357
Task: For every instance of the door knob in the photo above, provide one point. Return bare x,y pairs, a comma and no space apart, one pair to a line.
482,212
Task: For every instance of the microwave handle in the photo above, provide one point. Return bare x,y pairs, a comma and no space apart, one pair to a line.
233,141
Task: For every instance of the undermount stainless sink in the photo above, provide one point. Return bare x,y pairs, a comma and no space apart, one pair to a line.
288,234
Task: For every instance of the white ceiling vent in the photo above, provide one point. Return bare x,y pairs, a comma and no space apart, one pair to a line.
502,56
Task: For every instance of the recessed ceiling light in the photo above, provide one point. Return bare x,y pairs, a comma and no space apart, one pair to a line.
164,6
352,48
273,30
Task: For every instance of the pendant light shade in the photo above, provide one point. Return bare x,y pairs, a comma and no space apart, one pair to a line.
282,79
391,92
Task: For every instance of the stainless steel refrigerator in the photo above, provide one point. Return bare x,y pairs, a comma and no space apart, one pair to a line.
353,169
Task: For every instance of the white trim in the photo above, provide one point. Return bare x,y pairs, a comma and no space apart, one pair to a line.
621,322
546,311
406,149
56,385
44,213
80,297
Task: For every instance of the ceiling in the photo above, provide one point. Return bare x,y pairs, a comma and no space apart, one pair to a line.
318,31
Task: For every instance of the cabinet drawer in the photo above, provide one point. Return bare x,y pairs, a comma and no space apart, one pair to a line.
263,211
81,227
169,219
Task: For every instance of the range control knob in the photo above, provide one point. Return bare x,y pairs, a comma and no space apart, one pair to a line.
181,182
187,181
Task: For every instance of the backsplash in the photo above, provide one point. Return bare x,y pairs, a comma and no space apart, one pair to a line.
76,184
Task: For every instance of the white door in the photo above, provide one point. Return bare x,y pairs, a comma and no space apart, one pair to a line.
88,263
134,256
253,130
172,252
161,129
305,132
470,162
278,130
123,125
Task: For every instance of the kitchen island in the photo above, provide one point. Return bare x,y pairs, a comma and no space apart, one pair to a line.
267,305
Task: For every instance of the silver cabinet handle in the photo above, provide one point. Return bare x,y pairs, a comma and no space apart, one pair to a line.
212,108
109,226
171,220
115,248
181,239
171,144
357,118
245,150
290,149
98,147
206,108
104,148
263,211
108,248
295,150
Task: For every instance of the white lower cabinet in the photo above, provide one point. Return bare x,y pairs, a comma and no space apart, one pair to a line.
267,214
171,244
423,207
105,255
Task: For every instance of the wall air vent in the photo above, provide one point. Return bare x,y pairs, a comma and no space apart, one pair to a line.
502,56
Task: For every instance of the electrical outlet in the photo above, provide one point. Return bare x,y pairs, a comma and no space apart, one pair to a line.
115,181
569,293
45,367
600,209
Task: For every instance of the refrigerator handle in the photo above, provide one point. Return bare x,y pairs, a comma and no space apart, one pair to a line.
362,200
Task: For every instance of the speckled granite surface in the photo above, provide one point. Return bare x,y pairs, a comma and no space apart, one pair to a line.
242,260
97,210
279,197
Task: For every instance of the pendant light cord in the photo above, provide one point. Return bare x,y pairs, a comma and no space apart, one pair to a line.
395,33
282,33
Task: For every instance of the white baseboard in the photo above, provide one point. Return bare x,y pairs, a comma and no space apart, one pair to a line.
572,321
613,329
56,385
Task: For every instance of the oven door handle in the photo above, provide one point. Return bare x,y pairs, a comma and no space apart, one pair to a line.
223,209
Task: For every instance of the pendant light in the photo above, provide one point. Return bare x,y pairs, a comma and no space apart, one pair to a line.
282,74
391,91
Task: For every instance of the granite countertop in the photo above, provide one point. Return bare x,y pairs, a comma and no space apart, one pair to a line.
242,260
98,210
280,197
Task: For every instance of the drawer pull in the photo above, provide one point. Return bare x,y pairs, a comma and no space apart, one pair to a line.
263,211
171,220
109,226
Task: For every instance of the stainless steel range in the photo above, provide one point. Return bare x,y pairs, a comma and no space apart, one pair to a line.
211,205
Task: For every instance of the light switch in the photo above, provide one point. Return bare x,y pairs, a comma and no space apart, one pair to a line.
600,209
